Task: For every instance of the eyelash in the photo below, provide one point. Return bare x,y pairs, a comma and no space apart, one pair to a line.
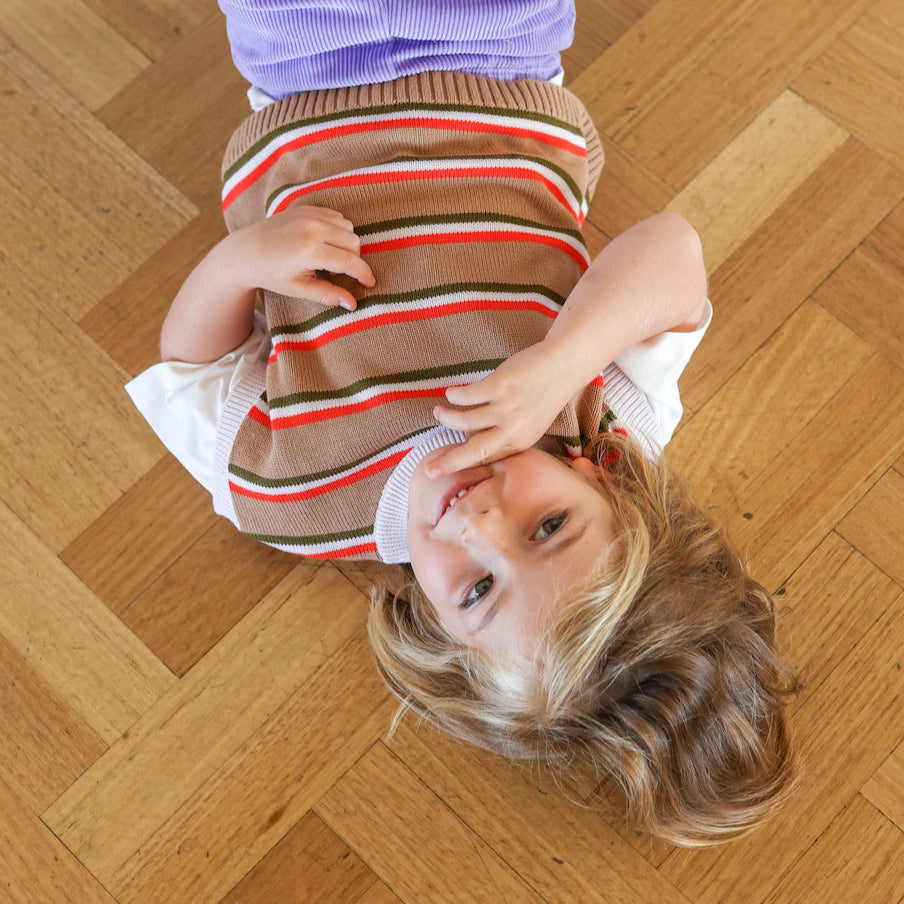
468,603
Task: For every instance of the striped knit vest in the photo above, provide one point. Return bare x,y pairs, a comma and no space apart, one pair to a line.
468,195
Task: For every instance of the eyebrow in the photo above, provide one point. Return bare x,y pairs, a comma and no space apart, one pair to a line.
548,552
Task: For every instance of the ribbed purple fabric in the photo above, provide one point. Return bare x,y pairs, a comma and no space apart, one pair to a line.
287,46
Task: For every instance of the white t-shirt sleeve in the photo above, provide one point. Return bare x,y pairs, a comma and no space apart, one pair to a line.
654,367
182,402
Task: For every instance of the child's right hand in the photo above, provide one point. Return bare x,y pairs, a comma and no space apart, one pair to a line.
505,412
284,252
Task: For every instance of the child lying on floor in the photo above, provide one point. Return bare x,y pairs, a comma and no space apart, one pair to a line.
442,377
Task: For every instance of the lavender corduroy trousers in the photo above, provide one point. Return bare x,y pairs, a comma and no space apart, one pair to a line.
285,46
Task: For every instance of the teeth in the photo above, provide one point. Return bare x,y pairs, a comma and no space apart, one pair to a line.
455,499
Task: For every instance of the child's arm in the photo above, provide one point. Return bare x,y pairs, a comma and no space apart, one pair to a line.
213,311
649,280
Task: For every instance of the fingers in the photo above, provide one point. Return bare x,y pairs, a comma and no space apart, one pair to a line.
322,291
468,421
323,239
477,393
478,450
340,252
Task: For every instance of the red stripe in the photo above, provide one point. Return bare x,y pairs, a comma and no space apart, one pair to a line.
414,121
490,172
325,414
261,417
342,553
489,236
344,481
597,381
446,310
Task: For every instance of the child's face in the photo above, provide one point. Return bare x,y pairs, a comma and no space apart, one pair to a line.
527,529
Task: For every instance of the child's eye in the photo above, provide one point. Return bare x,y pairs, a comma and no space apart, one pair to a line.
549,527
477,593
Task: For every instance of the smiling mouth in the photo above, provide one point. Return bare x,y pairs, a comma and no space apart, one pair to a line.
452,498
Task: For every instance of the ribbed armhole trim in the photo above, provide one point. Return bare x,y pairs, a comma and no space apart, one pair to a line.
240,401
631,407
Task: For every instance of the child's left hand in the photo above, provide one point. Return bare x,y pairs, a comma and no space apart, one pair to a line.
505,412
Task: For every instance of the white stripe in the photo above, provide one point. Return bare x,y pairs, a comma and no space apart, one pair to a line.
303,131
437,302
302,485
401,167
370,392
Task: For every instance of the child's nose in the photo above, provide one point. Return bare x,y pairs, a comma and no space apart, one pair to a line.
487,527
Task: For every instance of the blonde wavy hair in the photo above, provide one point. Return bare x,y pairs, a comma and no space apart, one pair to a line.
660,675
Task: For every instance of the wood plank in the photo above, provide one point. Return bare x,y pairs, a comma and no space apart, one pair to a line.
36,867
826,607
378,893
875,526
888,237
626,193
857,708
857,81
75,46
775,270
885,788
643,68
162,515
44,745
154,26
875,315
756,173
748,68
192,731
246,767
610,20
386,815
584,49
72,440
204,593
265,787
309,864
816,480
72,642
859,854
565,851
118,208
735,436
184,139
127,322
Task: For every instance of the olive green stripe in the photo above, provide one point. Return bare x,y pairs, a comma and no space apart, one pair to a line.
275,482
452,219
314,538
428,373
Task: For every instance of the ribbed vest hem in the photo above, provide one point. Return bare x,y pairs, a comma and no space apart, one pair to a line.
443,88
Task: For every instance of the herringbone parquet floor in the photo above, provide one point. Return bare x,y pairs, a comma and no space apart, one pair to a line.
188,717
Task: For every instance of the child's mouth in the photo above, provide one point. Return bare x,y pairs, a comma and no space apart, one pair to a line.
452,498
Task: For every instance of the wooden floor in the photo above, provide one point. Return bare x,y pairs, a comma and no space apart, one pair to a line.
188,717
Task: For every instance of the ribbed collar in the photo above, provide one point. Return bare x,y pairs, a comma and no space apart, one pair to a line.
391,522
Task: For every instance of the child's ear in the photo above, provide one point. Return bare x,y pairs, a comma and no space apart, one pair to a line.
584,465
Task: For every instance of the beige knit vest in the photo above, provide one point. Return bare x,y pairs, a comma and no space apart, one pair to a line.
468,195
